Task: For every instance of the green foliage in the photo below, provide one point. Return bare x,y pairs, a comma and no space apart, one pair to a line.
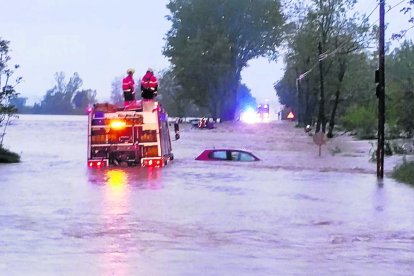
210,42
286,89
171,96
400,87
404,172
7,88
343,39
362,120
7,156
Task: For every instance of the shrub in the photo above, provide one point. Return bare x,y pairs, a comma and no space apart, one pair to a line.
404,172
362,120
7,156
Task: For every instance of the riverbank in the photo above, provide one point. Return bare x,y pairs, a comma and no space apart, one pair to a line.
7,156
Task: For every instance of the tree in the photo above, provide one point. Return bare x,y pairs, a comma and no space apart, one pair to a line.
59,99
210,42
82,100
117,97
172,95
245,98
20,103
7,86
331,17
328,24
405,10
400,84
298,88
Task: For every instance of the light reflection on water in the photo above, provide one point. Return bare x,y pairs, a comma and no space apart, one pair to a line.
145,178
115,208
59,218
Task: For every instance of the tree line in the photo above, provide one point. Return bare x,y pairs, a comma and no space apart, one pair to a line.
328,80
65,97
329,77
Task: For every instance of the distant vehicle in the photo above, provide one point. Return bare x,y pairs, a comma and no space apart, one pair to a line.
203,122
129,137
263,113
259,115
227,155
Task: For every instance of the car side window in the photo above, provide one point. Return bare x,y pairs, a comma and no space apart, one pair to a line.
220,155
245,157
235,156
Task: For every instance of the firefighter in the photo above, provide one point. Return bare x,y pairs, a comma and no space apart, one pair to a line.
149,85
128,86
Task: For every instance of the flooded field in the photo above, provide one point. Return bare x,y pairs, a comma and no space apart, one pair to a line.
292,213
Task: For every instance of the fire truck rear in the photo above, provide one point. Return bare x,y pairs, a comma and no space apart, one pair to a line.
137,137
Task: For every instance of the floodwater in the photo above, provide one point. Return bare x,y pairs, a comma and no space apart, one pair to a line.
293,213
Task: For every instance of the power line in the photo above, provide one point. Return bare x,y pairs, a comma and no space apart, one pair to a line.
372,11
325,55
390,9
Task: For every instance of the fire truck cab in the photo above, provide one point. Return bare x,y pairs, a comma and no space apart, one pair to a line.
128,137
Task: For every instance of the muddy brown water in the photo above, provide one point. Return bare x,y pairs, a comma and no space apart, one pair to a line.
292,213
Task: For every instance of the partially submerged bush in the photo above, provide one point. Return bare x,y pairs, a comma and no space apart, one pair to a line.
7,156
362,120
404,172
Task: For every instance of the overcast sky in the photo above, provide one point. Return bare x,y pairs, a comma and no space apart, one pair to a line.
101,39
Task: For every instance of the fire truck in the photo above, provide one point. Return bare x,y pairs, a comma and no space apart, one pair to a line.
263,113
136,136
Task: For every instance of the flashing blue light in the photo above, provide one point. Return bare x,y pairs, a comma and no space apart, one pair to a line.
248,116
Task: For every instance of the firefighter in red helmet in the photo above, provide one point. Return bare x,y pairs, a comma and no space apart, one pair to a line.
128,86
149,85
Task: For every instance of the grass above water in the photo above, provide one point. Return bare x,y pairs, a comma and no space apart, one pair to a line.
404,172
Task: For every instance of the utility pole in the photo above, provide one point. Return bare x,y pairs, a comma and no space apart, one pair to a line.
381,92
321,115
299,105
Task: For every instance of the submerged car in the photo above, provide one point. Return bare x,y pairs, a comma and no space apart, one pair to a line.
227,155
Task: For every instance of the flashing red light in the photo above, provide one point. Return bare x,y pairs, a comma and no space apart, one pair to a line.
152,163
96,164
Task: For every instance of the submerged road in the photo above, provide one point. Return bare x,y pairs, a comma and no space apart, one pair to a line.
292,213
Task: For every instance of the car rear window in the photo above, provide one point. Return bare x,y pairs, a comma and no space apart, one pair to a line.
245,157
